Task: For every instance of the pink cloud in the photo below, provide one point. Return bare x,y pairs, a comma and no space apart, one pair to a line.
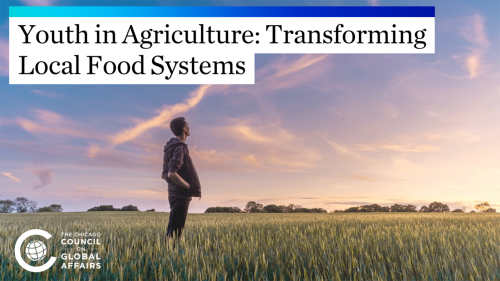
4,57
49,125
44,175
474,31
38,2
212,159
403,147
251,134
10,176
93,150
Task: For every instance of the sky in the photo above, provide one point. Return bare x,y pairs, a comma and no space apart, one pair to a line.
322,131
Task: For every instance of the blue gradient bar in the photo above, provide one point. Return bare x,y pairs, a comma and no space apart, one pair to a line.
225,11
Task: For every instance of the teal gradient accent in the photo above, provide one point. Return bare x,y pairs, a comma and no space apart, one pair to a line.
217,11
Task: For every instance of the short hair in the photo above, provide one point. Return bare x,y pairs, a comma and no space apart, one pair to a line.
177,125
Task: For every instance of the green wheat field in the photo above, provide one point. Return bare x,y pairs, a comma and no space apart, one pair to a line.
367,246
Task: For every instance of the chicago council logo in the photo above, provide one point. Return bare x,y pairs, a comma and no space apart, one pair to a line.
80,241
35,251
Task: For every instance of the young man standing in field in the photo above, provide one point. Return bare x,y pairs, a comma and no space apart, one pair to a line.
179,172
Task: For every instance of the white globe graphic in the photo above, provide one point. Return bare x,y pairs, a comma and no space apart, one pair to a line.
36,250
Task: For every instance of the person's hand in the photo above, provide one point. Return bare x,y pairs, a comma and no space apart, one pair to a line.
188,186
163,177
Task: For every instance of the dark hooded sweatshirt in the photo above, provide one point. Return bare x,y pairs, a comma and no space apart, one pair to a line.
177,160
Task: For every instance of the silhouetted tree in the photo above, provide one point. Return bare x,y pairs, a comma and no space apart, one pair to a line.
254,207
385,209
396,208
152,210
7,206
103,208
403,208
290,208
410,208
370,208
273,209
457,211
45,209
351,210
308,210
438,207
32,206
373,208
56,207
129,208
424,209
22,204
491,210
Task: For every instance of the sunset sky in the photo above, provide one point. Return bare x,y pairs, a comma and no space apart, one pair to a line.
325,131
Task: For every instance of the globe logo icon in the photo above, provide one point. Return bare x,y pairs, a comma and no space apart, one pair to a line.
36,250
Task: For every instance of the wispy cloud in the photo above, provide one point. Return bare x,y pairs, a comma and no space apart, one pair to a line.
44,175
267,145
48,94
290,163
250,133
250,159
49,125
93,150
347,152
10,176
286,73
408,147
295,66
4,57
374,2
474,31
212,159
38,2
165,115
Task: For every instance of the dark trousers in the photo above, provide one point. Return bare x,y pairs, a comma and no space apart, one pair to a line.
178,213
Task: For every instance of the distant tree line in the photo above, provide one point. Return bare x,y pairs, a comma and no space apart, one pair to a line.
23,205
254,207
434,207
110,208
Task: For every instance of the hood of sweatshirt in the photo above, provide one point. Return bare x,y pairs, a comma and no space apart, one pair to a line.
173,142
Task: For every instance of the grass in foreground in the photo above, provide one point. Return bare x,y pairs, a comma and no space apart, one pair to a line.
267,246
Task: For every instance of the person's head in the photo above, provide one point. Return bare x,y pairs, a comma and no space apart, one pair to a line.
178,126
